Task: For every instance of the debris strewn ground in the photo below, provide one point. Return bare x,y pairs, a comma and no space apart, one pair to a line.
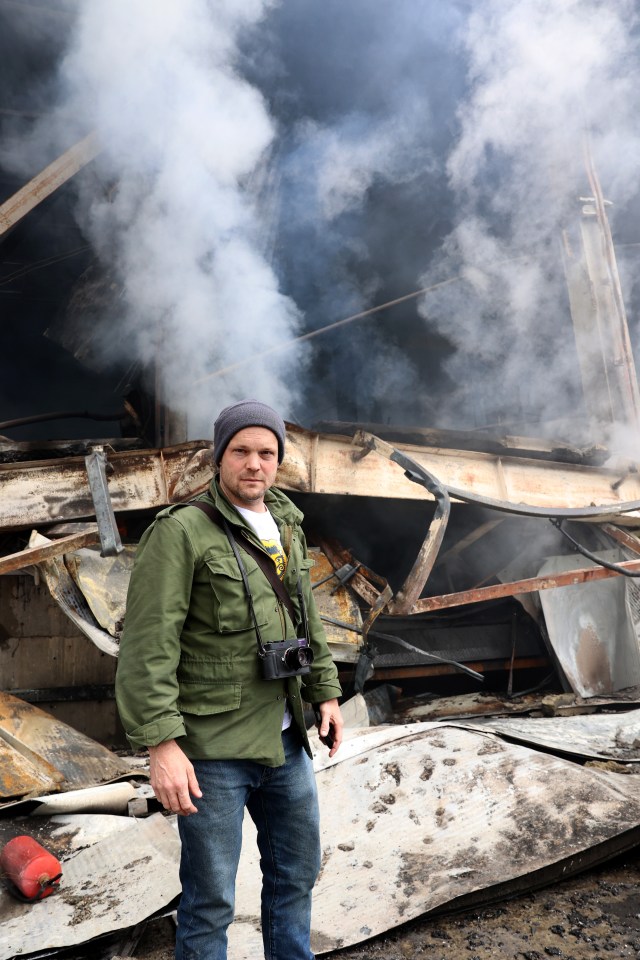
595,916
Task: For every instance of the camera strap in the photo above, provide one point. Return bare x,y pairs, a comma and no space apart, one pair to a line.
265,563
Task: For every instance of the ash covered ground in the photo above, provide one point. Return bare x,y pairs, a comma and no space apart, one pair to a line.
594,916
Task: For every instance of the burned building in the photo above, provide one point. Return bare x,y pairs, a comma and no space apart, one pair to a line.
439,297
436,517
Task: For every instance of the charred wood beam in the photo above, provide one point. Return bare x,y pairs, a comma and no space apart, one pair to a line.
85,692
33,555
47,182
480,531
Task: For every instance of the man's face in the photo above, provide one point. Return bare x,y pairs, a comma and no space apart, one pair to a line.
248,467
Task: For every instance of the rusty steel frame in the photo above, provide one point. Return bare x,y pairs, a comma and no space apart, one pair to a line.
529,585
407,602
409,592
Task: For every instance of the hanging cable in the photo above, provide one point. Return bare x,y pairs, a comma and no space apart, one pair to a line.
557,523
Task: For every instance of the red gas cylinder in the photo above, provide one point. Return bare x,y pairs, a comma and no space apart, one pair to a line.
33,871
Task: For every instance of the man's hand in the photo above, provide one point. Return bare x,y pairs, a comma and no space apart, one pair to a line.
173,778
330,720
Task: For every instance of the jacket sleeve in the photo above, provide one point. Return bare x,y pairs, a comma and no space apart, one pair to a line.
322,683
157,604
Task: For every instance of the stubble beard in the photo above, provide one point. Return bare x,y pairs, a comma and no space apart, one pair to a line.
242,495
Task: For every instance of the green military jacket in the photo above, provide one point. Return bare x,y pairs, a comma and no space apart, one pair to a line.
188,666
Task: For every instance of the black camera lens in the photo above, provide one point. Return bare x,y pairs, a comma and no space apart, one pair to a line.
296,657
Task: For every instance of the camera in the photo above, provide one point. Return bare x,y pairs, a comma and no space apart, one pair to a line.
288,658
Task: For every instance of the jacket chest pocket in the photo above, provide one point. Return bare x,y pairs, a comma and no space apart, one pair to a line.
231,604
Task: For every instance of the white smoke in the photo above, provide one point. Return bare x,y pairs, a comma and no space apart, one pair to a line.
269,168
184,138
543,76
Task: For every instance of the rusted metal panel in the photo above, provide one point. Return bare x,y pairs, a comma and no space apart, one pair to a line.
58,490
23,773
592,629
69,597
629,540
336,603
68,758
103,582
92,591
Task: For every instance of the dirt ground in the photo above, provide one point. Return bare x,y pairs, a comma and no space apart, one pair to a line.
594,916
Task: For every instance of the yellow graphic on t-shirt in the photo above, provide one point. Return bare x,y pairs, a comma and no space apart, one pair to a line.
277,554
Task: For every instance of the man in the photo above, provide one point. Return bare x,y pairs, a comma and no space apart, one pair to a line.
223,732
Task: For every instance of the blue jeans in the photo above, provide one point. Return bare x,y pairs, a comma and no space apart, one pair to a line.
283,804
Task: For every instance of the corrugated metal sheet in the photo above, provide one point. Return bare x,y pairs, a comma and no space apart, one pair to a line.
113,884
602,736
415,817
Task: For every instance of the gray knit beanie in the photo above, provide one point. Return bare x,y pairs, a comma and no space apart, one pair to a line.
246,413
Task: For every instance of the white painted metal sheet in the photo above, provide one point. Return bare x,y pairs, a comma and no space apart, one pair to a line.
413,817
591,628
599,736
113,884
328,463
416,816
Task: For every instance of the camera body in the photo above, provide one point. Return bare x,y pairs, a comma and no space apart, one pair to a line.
288,658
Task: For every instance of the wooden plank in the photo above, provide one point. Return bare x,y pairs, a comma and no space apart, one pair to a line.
31,555
47,181
480,531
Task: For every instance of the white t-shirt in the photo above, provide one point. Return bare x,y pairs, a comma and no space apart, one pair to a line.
266,529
